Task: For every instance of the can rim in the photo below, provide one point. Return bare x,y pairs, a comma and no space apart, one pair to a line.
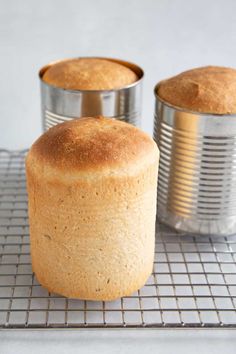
137,69
181,109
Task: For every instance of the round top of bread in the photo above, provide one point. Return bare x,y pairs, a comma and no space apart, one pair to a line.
89,74
92,147
210,89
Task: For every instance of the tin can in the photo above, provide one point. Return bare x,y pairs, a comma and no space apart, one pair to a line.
197,172
59,105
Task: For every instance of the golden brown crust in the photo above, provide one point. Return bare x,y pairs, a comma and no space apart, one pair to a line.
210,89
89,74
97,144
92,237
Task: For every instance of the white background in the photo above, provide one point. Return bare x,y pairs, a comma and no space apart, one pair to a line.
164,37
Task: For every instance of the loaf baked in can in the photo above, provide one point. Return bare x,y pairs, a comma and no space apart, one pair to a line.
92,208
209,89
88,87
89,74
195,129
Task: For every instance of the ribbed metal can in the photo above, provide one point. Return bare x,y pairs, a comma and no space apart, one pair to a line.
197,172
59,105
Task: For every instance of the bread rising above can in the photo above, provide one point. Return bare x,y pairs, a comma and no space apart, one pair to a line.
210,89
92,207
89,74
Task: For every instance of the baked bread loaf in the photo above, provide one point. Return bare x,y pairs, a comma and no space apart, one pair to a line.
210,89
92,207
89,74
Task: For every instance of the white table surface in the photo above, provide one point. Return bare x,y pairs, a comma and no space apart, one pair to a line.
129,341
165,37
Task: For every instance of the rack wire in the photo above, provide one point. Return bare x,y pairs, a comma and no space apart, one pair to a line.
193,283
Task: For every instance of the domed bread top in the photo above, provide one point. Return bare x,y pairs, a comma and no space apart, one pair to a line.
210,89
86,146
89,74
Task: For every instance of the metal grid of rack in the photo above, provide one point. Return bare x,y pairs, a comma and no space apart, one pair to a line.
193,283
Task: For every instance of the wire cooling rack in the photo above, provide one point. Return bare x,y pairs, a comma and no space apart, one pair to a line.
193,283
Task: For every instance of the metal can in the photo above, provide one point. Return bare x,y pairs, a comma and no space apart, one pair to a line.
59,105
197,172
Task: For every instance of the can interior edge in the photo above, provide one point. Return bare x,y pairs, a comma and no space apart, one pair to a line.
135,68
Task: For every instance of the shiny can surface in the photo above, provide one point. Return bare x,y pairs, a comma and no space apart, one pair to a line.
197,172
59,105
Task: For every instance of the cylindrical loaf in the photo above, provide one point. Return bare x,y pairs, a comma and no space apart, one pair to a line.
92,207
195,129
90,86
